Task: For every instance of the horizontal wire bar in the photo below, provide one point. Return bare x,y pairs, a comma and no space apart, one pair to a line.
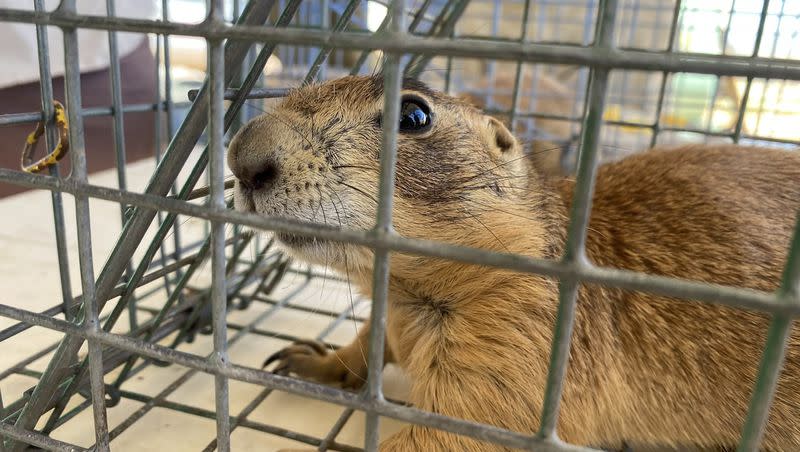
36,439
299,387
255,93
503,50
640,125
662,285
89,112
313,310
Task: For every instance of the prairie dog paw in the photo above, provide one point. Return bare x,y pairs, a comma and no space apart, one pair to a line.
313,360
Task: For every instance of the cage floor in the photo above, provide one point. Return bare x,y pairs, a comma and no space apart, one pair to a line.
172,407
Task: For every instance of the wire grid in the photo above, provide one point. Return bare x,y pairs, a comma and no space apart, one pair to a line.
601,59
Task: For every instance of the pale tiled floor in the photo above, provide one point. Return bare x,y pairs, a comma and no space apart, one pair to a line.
29,279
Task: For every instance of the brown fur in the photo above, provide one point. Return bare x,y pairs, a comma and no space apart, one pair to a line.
475,340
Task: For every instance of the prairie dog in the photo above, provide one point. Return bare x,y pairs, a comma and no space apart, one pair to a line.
476,340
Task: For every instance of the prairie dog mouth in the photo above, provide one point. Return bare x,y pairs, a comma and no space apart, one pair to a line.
243,199
245,202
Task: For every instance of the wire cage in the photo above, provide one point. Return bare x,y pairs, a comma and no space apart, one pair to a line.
187,290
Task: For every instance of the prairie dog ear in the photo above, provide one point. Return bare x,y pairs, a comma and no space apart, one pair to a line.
502,137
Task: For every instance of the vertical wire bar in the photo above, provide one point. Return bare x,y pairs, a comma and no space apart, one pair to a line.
618,94
119,150
325,23
116,105
241,116
418,18
169,107
774,352
737,131
717,88
579,220
775,37
448,76
118,130
2,409
676,13
444,25
491,69
581,80
216,200
518,76
340,25
46,88
249,111
158,139
383,225
72,81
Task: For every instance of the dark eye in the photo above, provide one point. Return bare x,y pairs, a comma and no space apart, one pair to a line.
415,115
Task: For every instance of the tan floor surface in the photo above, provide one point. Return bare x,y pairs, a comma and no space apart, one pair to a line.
29,279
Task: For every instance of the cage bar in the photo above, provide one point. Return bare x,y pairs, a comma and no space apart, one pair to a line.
216,200
575,249
475,48
232,283
90,321
46,89
774,352
383,223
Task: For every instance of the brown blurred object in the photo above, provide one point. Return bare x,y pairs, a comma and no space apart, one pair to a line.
138,74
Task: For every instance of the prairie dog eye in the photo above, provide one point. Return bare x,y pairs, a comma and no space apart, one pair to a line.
415,115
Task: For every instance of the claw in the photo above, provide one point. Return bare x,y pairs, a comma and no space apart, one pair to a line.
319,348
273,357
283,370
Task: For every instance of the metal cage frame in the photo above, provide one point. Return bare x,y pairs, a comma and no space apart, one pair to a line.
119,277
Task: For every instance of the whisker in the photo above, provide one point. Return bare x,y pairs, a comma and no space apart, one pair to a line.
358,190
525,155
349,285
352,166
475,217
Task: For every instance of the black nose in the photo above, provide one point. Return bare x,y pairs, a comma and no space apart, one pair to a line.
261,177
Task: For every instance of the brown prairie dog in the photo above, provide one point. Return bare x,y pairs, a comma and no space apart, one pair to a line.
552,97
475,340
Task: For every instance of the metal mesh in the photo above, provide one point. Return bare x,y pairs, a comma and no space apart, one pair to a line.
184,267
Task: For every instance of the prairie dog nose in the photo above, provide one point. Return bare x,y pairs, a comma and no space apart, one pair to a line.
258,177
251,159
